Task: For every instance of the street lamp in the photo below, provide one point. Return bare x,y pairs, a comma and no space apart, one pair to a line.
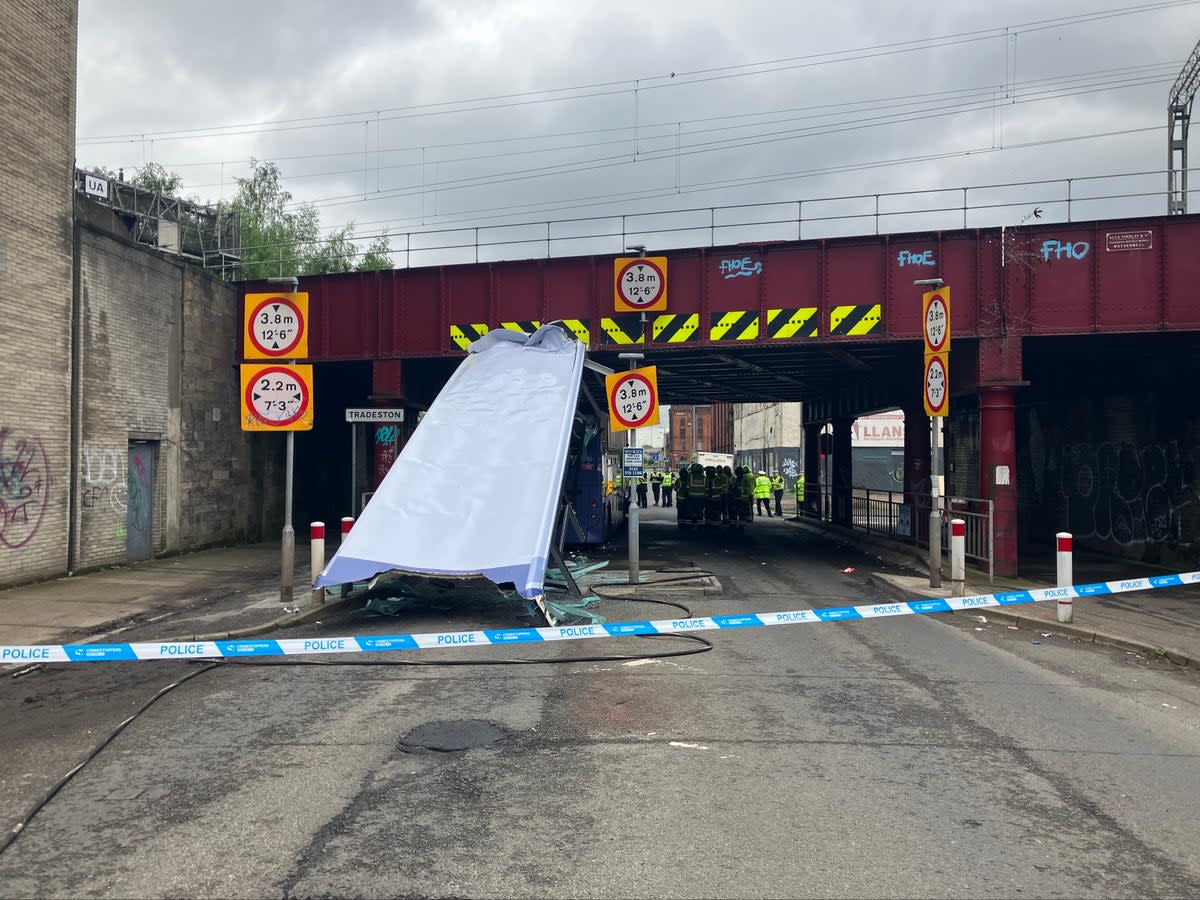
935,509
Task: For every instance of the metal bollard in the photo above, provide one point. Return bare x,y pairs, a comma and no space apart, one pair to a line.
347,524
316,543
1066,605
958,556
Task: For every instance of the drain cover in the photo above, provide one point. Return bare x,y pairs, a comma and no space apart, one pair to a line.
446,737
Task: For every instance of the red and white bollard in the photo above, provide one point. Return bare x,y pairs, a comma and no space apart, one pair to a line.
1066,605
347,524
958,557
316,543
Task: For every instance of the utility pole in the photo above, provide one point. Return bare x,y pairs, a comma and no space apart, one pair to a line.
1179,115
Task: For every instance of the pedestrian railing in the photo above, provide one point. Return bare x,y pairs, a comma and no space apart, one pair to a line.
905,518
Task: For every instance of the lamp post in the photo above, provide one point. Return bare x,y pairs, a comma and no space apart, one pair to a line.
287,563
935,508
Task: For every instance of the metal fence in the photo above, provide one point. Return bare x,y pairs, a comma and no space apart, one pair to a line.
887,514
483,238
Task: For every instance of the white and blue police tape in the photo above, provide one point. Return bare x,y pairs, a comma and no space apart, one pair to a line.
78,653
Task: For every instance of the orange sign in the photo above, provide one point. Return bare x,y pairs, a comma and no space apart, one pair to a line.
639,283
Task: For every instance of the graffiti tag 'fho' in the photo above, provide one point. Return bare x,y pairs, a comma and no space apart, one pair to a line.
24,487
1055,249
735,268
907,258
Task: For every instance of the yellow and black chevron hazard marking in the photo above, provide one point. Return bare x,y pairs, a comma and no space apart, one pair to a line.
580,328
527,327
622,329
792,322
734,326
462,336
676,328
854,319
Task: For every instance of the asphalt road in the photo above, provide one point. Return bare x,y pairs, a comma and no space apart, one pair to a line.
918,756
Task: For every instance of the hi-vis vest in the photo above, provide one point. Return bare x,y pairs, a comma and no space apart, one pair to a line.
777,483
800,489
667,480
762,488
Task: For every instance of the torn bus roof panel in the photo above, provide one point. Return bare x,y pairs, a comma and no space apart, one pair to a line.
475,490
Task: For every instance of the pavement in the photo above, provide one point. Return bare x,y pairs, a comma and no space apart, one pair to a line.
234,592
1163,622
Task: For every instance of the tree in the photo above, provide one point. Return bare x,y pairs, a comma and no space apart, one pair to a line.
280,238
377,255
276,240
155,177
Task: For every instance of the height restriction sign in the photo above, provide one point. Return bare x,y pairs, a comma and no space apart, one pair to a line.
632,398
276,326
277,398
639,283
935,306
937,384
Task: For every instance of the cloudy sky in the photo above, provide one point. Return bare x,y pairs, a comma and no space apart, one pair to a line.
414,115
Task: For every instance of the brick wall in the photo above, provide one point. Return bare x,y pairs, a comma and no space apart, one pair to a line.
159,365
37,109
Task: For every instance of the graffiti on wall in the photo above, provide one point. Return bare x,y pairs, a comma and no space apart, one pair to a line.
1127,494
908,258
24,486
1054,249
138,488
790,468
104,479
743,267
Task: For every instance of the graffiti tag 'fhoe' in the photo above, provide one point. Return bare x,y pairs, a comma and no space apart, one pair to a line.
1064,250
743,266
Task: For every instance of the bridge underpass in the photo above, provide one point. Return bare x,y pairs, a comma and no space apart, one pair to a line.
1070,371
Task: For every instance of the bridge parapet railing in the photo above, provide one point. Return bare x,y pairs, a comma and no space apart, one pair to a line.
495,238
905,518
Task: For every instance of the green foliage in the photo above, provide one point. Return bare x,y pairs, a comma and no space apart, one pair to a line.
282,238
279,237
154,177
377,255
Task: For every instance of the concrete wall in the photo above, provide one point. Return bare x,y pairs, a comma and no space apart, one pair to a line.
37,109
759,426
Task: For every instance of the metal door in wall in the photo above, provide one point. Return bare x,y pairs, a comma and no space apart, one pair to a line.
139,531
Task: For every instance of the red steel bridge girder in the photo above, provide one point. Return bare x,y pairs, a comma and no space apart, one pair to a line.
1132,275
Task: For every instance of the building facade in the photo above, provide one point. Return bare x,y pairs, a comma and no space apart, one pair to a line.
695,428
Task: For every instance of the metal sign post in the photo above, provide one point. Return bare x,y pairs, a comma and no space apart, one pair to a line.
935,307
633,466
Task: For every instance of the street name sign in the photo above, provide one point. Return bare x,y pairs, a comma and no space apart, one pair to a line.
276,326
632,398
639,283
277,398
374,415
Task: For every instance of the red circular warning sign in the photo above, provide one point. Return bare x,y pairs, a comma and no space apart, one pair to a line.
640,283
632,400
276,326
277,396
936,386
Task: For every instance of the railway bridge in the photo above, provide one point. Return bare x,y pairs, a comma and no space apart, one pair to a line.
1073,367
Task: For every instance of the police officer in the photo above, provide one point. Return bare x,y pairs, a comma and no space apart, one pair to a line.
777,485
746,497
798,487
762,493
668,484
656,485
641,490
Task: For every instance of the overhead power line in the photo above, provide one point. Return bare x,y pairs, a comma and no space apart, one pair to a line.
647,83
